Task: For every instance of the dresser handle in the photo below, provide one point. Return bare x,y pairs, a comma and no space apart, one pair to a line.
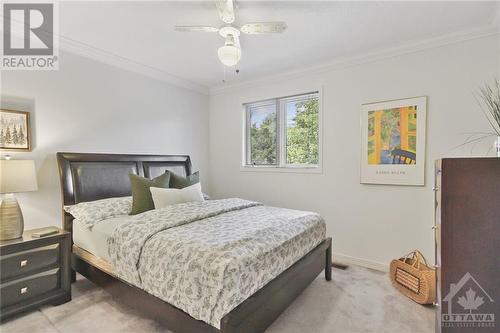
24,290
434,227
24,263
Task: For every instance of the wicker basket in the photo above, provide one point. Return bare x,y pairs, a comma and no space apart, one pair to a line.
414,278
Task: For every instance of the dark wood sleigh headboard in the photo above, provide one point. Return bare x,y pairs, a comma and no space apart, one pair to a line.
88,177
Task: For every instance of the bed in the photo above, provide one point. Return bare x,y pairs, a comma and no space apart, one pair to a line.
89,177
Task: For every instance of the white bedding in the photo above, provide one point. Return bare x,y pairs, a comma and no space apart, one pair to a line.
95,240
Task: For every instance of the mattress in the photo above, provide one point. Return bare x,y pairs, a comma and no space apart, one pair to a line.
95,240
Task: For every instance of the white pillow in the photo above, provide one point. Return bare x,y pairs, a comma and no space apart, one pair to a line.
91,212
163,197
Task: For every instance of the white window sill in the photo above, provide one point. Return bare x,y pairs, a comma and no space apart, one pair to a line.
291,169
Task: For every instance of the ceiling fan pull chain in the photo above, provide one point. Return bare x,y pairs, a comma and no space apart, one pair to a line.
230,53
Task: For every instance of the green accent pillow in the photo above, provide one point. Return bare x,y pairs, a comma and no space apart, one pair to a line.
142,200
178,181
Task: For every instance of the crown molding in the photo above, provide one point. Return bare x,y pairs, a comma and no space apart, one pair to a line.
70,45
88,51
453,38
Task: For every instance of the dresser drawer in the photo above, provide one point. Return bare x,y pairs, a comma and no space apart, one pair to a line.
24,289
20,263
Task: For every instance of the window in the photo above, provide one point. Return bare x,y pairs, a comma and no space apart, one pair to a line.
262,140
283,132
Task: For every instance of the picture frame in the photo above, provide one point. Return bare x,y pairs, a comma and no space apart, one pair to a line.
15,130
393,147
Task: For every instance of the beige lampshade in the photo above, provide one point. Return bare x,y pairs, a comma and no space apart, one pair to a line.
17,176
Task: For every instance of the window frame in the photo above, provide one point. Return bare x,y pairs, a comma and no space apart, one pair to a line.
281,137
247,138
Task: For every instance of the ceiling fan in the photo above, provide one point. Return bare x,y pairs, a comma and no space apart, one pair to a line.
230,53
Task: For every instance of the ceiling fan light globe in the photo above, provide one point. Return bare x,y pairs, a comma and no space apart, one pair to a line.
229,55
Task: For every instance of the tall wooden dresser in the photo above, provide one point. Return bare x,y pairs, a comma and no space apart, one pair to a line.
467,229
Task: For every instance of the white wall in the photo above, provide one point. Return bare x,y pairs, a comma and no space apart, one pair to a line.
370,224
87,106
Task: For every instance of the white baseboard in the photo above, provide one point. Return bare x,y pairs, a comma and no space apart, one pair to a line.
345,259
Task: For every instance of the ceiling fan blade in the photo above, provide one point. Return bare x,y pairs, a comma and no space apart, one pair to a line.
263,28
226,10
199,28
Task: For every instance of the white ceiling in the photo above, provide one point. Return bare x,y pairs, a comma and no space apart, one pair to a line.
317,32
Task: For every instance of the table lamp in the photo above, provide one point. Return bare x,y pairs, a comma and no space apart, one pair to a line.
15,176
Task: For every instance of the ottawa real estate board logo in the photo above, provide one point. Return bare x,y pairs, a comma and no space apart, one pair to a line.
29,36
468,305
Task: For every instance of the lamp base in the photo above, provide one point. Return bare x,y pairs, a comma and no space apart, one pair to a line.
11,218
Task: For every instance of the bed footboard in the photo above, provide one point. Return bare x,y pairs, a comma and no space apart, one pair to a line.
260,310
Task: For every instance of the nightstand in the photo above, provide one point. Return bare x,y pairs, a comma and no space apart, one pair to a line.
34,272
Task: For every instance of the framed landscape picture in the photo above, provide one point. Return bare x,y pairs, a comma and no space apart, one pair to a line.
15,131
393,142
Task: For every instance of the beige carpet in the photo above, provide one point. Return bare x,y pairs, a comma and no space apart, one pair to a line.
356,300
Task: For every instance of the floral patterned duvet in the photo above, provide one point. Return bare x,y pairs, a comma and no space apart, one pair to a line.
207,257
